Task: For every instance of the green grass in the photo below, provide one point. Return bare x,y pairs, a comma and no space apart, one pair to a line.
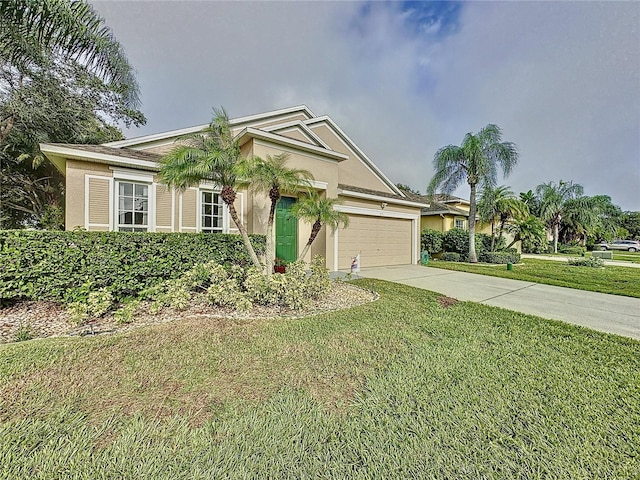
618,256
625,256
399,388
615,280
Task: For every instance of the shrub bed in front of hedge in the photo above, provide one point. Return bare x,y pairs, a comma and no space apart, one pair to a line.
66,266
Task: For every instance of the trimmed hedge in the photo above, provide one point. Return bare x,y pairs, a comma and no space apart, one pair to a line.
572,249
66,266
499,257
451,257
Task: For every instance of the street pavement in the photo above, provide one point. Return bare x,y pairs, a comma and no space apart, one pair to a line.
599,311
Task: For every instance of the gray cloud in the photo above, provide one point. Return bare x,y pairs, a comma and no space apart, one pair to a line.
561,78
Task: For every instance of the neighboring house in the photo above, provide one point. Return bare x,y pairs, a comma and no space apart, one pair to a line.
115,186
445,212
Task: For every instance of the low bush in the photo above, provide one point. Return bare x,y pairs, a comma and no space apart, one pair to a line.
594,262
502,257
456,240
451,257
67,266
97,304
571,249
431,241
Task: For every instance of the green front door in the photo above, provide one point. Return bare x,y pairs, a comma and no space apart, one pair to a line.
286,231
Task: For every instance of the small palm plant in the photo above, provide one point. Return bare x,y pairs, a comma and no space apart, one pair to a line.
272,176
212,154
320,211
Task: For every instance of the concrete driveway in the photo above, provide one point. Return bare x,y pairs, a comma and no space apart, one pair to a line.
599,311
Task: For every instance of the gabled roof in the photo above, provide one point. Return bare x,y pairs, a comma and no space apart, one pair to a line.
140,142
326,120
250,132
302,128
268,126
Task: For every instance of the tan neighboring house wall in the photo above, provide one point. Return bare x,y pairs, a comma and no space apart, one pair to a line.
384,224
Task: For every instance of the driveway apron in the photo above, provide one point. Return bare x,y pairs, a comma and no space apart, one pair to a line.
599,311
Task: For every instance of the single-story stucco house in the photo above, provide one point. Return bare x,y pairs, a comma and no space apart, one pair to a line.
115,187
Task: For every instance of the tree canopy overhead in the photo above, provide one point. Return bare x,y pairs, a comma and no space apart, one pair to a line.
63,78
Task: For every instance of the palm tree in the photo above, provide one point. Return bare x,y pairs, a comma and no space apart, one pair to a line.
33,30
553,200
211,154
530,231
475,162
499,205
321,211
530,200
272,175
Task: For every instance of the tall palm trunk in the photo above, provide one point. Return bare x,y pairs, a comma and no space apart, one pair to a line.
493,232
229,197
555,237
314,233
270,255
472,224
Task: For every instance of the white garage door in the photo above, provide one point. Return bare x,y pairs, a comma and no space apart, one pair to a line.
379,240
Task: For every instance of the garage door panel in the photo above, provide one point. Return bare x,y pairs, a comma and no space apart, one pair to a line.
379,240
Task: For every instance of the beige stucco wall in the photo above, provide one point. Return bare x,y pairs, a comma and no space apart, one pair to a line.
75,189
352,171
436,222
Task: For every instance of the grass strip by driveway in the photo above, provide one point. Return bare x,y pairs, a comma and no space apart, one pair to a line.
410,386
614,280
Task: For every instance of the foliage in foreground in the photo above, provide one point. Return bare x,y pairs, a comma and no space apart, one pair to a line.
613,280
399,388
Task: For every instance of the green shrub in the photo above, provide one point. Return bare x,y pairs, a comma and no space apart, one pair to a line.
431,241
66,266
126,312
571,249
318,283
98,303
502,257
227,293
594,262
451,257
456,240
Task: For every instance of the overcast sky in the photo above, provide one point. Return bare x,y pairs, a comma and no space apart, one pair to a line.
402,79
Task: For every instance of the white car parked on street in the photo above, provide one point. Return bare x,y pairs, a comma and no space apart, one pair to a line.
630,245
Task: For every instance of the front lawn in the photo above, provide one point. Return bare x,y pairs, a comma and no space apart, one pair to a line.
410,386
615,280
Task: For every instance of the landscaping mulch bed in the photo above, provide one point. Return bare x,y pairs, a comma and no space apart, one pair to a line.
29,319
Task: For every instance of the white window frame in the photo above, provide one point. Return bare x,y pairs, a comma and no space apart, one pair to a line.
118,226
459,219
124,175
225,209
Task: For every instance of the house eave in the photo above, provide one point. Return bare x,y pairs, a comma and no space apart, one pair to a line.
248,133
380,198
58,155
